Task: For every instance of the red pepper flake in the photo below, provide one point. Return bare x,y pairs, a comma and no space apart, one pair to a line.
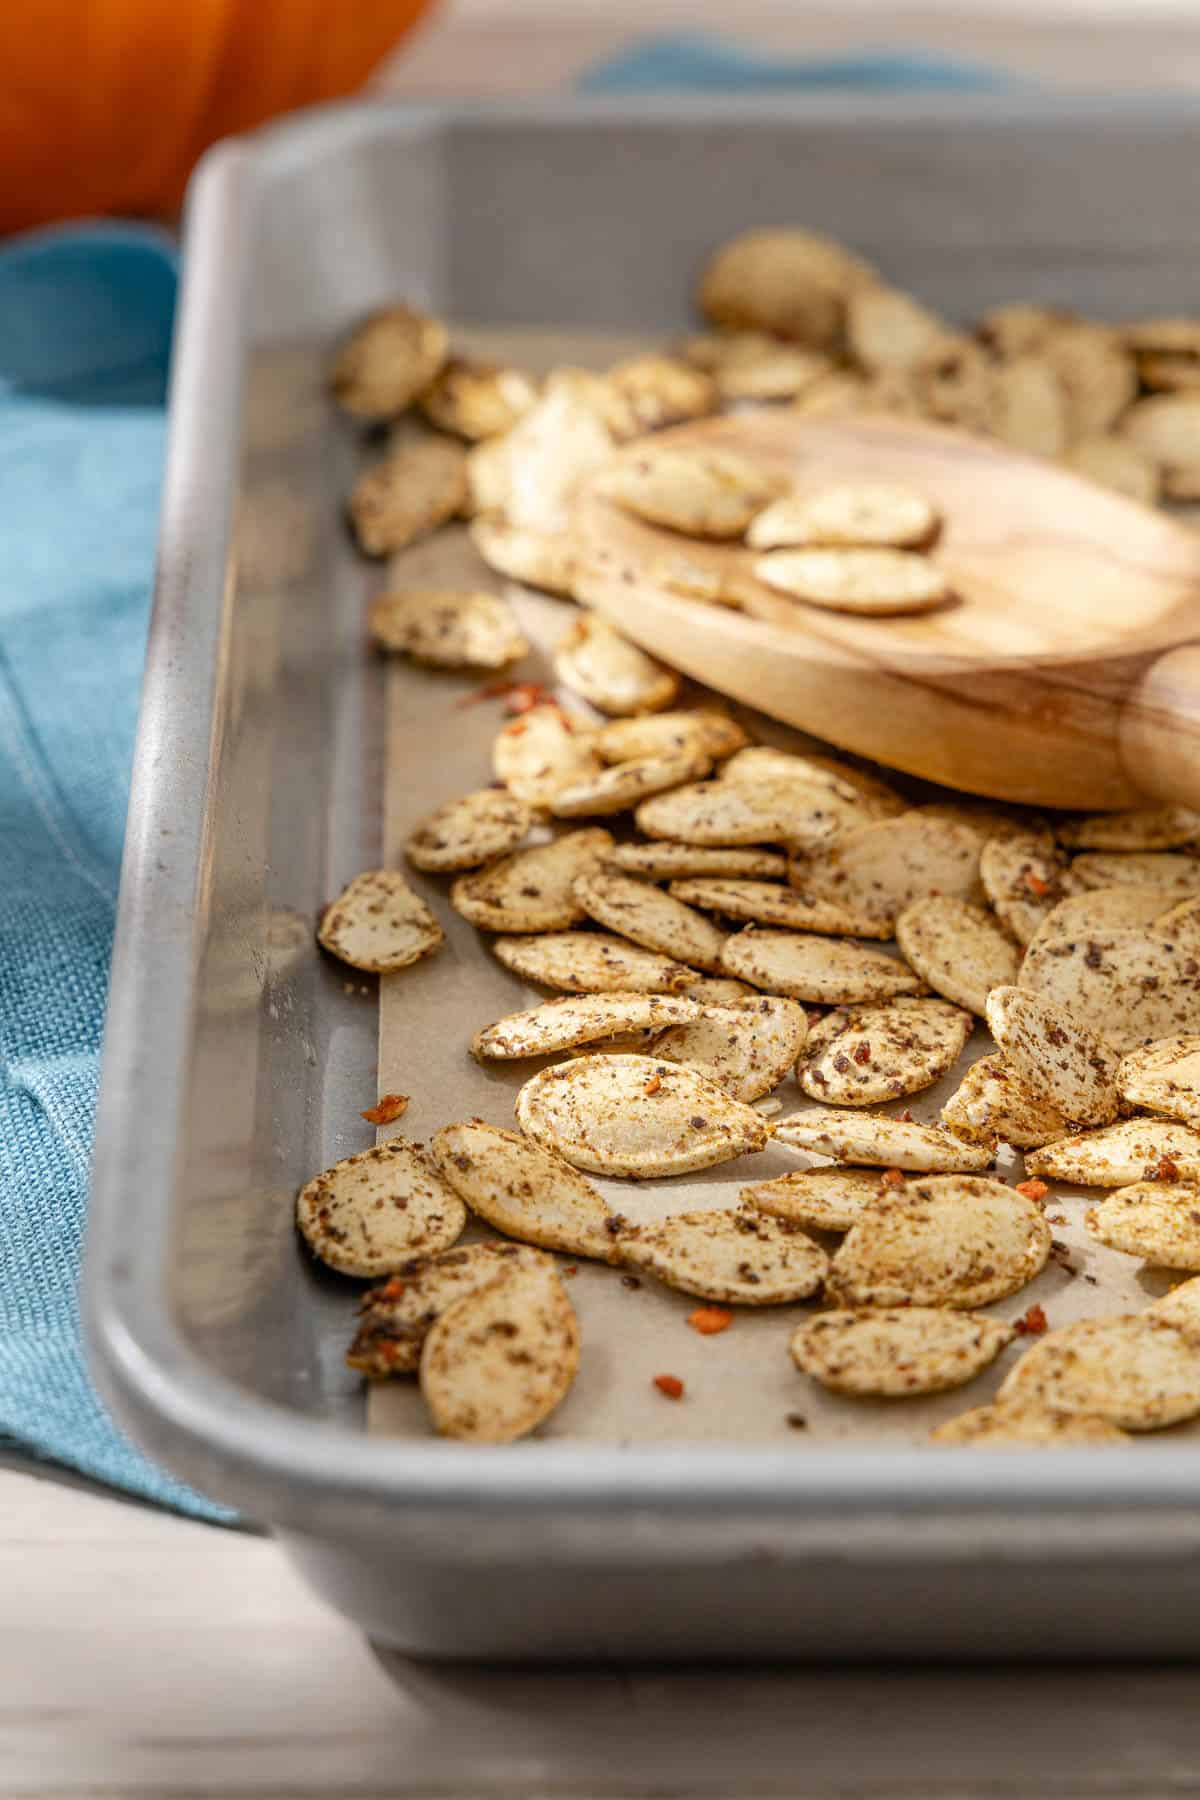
1165,1170
518,696
387,1109
892,1178
862,1054
392,1289
571,1270
670,1385
905,1117
708,1320
653,1084
1031,1323
1033,1189
1035,883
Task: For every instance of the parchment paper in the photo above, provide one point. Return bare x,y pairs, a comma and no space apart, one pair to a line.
741,1385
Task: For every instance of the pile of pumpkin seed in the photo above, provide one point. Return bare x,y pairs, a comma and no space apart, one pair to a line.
746,945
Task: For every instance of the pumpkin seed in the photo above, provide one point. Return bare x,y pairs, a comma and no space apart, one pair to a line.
642,912
591,962
477,400
751,366
766,903
1098,374
710,734
1043,1426
695,580
634,1116
1028,406
1120,1154
952,1240
377,923
626,784
372,1213
663,390
466,832
1098,911
388,361
820,970
531,890
1129,986
957,948
499,1361
1167,429
1055,1055
1164,1078
1025,878
759,761
992,1102
577,1019
855,1137
595,661
524,1190
883,867
889,330
540,559
413,490
775,810
859,1056
663,861
1157,1220
1117,464
719,990
448,629
823,1199
704,493
395,1319
1179,921
542,751
531,474
853,515
1133,1370
895,1352
748,1045
1146,828
734,1256
856,581
787,283
985,821
1146,868
1180,1308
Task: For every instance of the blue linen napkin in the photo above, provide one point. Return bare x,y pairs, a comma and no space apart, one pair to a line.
85,320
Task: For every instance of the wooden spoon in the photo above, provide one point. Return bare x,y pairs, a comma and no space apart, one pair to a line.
1064,672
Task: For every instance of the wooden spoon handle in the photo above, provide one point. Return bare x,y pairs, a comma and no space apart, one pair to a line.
1160,728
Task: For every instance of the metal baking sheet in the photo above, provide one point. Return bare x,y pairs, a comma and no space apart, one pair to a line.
236,1062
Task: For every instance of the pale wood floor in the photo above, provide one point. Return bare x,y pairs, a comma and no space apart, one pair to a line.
144,1656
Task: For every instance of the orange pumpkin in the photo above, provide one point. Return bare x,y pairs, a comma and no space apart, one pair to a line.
106,104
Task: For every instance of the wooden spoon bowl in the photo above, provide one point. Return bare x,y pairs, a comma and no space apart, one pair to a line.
1065,671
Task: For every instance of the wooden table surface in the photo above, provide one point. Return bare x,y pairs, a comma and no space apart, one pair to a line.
142,1655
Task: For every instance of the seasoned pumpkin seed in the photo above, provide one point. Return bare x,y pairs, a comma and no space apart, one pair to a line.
950,1240
856,581
855,1137
466,832
377,923
591,962
859,515
1157,1220
448,629
595,661
1167,428
895,1352
395,1319
663,390
712,734
734,1256
757,761
747,1045
540,559
775,810
412,491
532,890
860,1056
883,867
1145,868
634,1116
1129,986
821,970
1024,878
642,912
1117,464
626,784
477,400
1180,1307
991,1102
1098,911
372,1213
890,331
1002,1426
957,948
1120,1154
1164,1078
542,751
1133,1370
499,1361
767,903
1055,1054
1145,828
524,1190
389,360
531,474
785,282
577,1019
664,861
822,1199
703,493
